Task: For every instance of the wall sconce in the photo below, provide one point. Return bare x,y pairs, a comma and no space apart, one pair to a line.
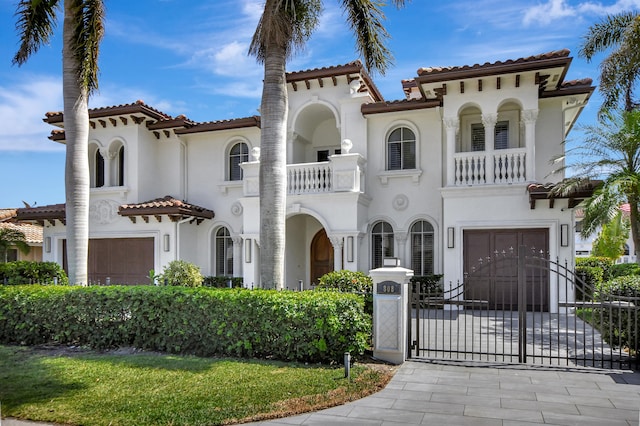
167,242
47,244
450,237
247,250
564,235
349,249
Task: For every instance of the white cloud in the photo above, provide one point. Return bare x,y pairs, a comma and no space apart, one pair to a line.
553,10
23,104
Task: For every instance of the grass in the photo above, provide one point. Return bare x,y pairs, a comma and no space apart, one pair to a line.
154,389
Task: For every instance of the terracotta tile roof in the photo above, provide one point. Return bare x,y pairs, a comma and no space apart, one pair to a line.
32,233
543,191
235,123
564,53
354,67
138,107
6,214
400,105
558,58
165,206
42,213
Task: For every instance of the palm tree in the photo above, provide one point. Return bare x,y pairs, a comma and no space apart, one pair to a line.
620,70
82,32
611,152
284,27
10,237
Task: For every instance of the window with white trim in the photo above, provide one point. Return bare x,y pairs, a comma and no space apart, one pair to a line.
238,154
98,172
223,253
501,139
381,243
401,149
422,242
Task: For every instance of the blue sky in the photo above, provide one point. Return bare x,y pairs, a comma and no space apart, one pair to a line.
189,57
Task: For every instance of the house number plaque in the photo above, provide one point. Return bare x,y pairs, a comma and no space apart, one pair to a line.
388,287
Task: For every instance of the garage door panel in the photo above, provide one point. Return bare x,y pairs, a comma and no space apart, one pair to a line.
120,260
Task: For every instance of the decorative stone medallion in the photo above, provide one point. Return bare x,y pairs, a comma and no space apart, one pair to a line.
400,202
103,211
236,209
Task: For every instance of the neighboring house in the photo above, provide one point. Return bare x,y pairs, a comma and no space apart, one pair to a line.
584,246
451,173
32,233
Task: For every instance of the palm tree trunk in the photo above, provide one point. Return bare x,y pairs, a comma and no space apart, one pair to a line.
635,229
273,176
76,126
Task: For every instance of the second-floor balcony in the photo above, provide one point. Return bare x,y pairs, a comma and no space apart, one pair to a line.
505,166
342,173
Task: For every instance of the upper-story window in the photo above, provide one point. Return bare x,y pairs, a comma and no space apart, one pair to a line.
119,178
401,149
238,154
501,140
381,243
98,172
422,241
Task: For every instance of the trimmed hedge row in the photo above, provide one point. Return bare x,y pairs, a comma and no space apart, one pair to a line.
300,326
29,272
619,324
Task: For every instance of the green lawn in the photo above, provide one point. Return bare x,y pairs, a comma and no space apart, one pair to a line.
151,389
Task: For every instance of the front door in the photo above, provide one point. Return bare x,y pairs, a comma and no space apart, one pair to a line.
321,256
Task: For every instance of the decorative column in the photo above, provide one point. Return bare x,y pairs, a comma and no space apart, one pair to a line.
237,256
529,118
451,124
337,242
489,121
401,238
107,157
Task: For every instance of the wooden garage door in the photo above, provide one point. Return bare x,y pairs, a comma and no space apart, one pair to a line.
496,281
122,260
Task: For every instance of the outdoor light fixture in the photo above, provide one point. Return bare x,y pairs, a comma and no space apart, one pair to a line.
450,237
247,250
167,242
564,235
47,244
349,249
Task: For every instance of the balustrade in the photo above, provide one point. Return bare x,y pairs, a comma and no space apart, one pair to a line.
501,167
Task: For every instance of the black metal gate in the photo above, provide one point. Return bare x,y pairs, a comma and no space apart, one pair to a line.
546,315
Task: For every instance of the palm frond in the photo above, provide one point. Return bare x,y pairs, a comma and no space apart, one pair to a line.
35,25
605,34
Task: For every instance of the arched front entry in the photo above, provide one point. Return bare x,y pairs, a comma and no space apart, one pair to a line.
321,256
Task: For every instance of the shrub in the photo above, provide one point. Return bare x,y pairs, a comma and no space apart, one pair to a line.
222,282
589,278
597,262
301,326
623,269
431,284
619,315
349,282
181,273
29,272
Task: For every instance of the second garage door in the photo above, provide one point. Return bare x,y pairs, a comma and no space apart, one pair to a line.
121,260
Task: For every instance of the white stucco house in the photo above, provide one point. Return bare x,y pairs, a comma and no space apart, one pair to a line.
457,168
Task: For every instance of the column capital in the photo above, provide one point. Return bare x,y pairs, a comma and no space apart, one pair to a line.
451,123
529,116
337,241
489,119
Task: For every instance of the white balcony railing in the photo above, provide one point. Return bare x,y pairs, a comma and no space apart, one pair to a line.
498,167
342,173
309,178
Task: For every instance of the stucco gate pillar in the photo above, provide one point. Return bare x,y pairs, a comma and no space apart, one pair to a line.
390,306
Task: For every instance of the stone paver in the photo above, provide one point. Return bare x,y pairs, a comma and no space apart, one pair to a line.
491,394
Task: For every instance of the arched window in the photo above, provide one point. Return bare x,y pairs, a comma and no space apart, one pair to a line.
401,149
381,243
239,153
223,253
98,170
422,248
121,166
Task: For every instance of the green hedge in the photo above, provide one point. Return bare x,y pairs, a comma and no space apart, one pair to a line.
222,282
346,281
596,262
624,269
29,272
302,326
590,278
619,324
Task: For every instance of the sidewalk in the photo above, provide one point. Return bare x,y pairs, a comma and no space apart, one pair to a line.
467,393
